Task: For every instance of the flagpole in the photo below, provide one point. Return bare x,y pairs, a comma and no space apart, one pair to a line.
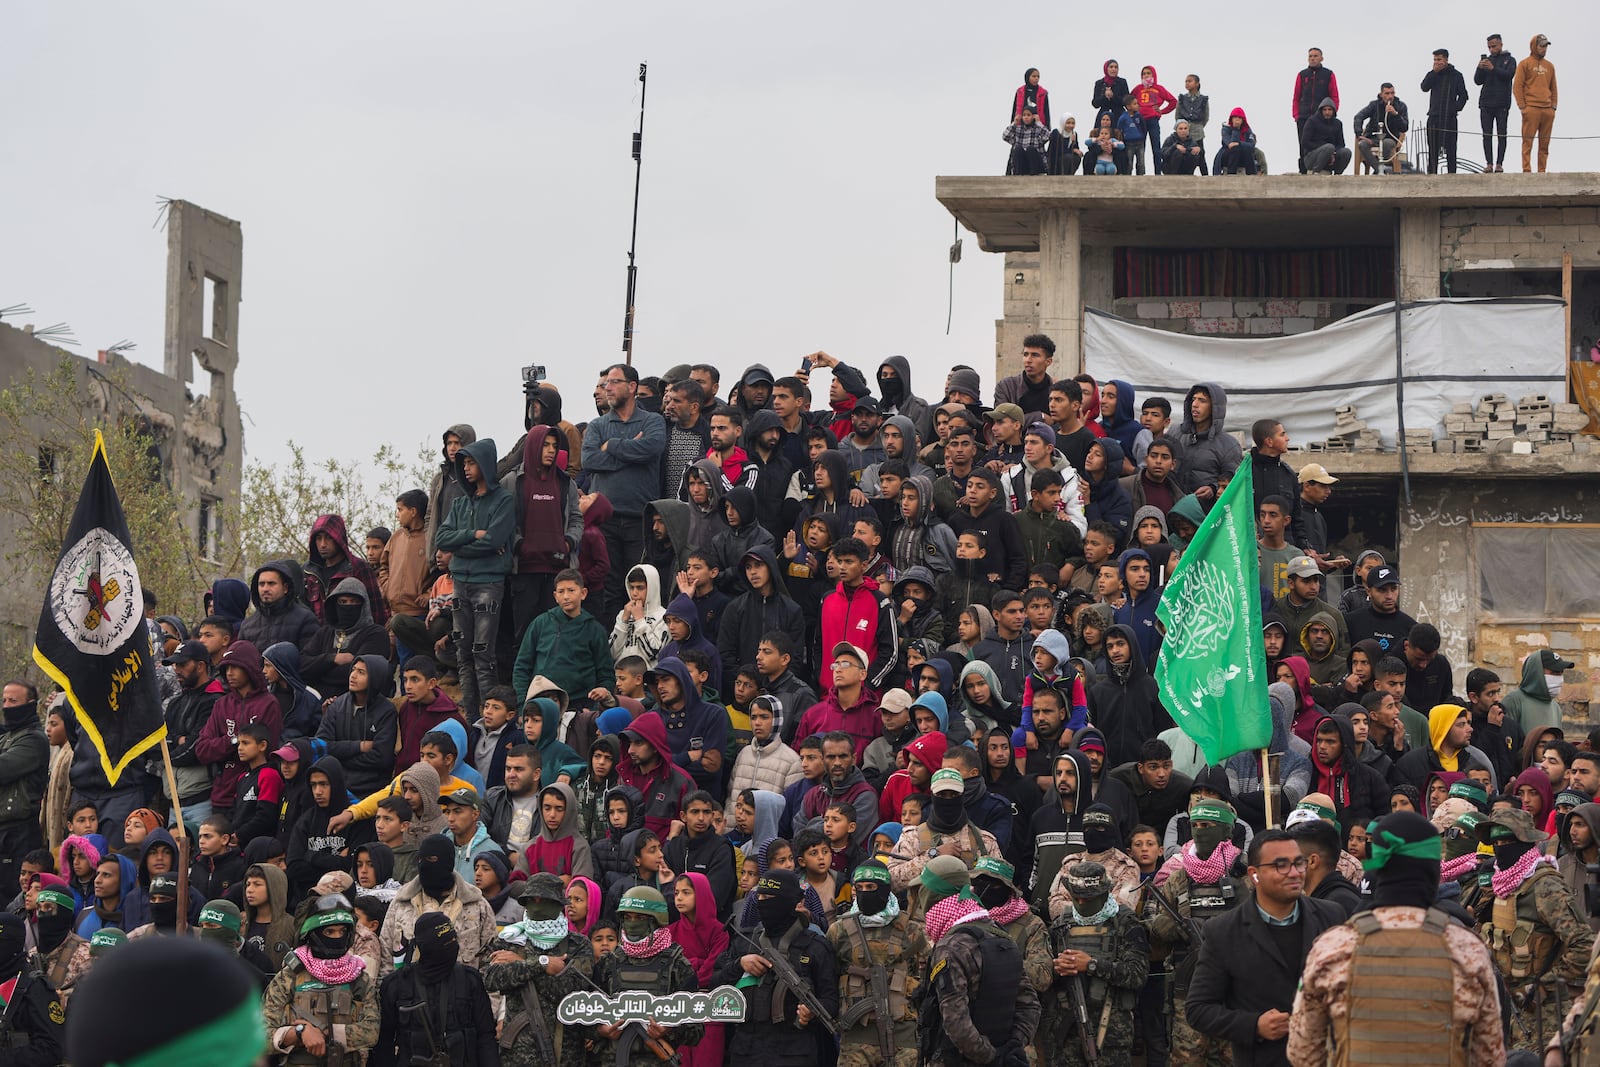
183,839
1266,784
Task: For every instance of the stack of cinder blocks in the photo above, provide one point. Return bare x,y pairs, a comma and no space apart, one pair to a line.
1464,430
1419,441
1350,434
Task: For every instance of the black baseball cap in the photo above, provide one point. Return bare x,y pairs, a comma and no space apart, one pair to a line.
1379,577
1552,662
188,652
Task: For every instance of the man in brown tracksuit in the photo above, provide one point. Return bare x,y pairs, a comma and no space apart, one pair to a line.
1534,87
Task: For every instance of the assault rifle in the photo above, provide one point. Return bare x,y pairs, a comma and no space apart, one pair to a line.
880,997
789,978
1080,1010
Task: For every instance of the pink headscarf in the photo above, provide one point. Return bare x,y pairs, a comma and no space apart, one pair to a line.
592,892
701,938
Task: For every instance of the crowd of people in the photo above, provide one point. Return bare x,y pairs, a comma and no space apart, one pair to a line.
848,705
1127,121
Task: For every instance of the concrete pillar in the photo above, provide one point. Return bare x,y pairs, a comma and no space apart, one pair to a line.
1060,287
1419,253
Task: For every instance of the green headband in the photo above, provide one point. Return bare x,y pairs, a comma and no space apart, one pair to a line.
326,918
1211,811
933,883
1467,789
58,898
870,873
236,1039
1387,845
990,865
222,918
640,904
1322,811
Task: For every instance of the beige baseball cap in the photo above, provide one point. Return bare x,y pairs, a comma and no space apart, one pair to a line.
1316,472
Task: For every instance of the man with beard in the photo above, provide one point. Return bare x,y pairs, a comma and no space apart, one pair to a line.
650,962
536,963
279,614
1209,882
435,1007
1030,390
946,830
32,1033
979,1007
650,770
1448,992
763,443
863,445
1056,829
1101,947
1050,727
900,441
875,937
186,715
511,811
778,1027
323,1005
843,784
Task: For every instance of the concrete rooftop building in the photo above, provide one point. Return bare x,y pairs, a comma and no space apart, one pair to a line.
1496,549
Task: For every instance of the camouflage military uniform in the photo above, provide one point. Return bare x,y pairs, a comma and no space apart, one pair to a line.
290,994
1545,972
956,977
919,844
1120,950
901,949
1323,1003
1033,938
1190,1048
519,1045
676,974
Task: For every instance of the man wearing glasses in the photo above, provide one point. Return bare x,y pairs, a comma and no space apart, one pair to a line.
622,449
1249,967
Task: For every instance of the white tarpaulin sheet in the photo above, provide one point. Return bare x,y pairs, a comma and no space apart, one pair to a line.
1453,351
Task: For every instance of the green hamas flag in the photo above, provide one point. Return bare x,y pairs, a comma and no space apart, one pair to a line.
1212,666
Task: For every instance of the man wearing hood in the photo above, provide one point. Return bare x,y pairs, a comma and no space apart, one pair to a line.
24,768
315,849
1108,502
478,533
1320,640
1449,987
442,985
446,486
1121,424
1126,701
1322,147
740,533
766,456
330,561
351,632
1138,612
1532,704
1056,827
920,539
1447,95
898,398
436,888
1359,793
765,607
900,441
245,701
1030,389
360,726
753,393
280,615
549,523
650,768
1210,455
1311,86
702,487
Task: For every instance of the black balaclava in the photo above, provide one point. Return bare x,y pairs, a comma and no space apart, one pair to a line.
50,930
436,866
778,894
330,942
164,913
438,947
992,892
346,616
871,893
891,389
1099,829
948,812
1404,863
1508,850
13,943
19,716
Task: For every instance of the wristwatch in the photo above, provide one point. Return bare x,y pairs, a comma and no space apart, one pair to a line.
544,961
1093,967
299,1029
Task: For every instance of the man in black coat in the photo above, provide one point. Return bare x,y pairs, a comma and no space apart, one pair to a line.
1244,983
1447,95
1320,844
1495,72
1271,476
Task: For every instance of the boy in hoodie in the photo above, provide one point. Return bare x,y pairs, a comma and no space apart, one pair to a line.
741,535
591,787
558,848
329,562
703,488
360,727
624,815
641,626
1138,612
696,729
541,722
766,607
1154,101
1532,704
1210,455
1322,147
683,627
1126,703
403,564
478,532
566,644
246,701
299,705
314,849
919,538
351,632
650,768
549,523
984,508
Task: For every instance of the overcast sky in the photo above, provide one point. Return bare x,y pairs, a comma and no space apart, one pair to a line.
433,195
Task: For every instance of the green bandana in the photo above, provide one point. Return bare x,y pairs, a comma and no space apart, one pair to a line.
990,865
646,907
1211,811
1388,845
327,918
1469,790
236,1039
870,873
58,898
1321,811
226,920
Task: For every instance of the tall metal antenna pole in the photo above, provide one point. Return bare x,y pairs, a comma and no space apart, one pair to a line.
633,238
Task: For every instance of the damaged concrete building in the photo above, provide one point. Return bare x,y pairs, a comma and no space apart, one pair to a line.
188,406
1496,540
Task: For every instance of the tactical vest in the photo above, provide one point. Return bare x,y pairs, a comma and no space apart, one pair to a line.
448,1012
994,1002
929,838
653,975
14,1036
1201,904
59,960
1400,997
325,1005
1522,945
887,947
1102,942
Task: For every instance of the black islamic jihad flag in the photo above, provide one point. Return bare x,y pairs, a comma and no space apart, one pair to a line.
91,639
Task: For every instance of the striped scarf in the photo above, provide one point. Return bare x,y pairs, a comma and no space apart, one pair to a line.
653,945
1508,881
950,913
1450,870
1208,871
345,969
1010,911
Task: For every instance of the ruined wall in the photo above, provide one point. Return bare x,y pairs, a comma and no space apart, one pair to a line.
1438,568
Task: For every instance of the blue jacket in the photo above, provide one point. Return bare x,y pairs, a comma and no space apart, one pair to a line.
1139,613
700,719
1130,128
628,471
